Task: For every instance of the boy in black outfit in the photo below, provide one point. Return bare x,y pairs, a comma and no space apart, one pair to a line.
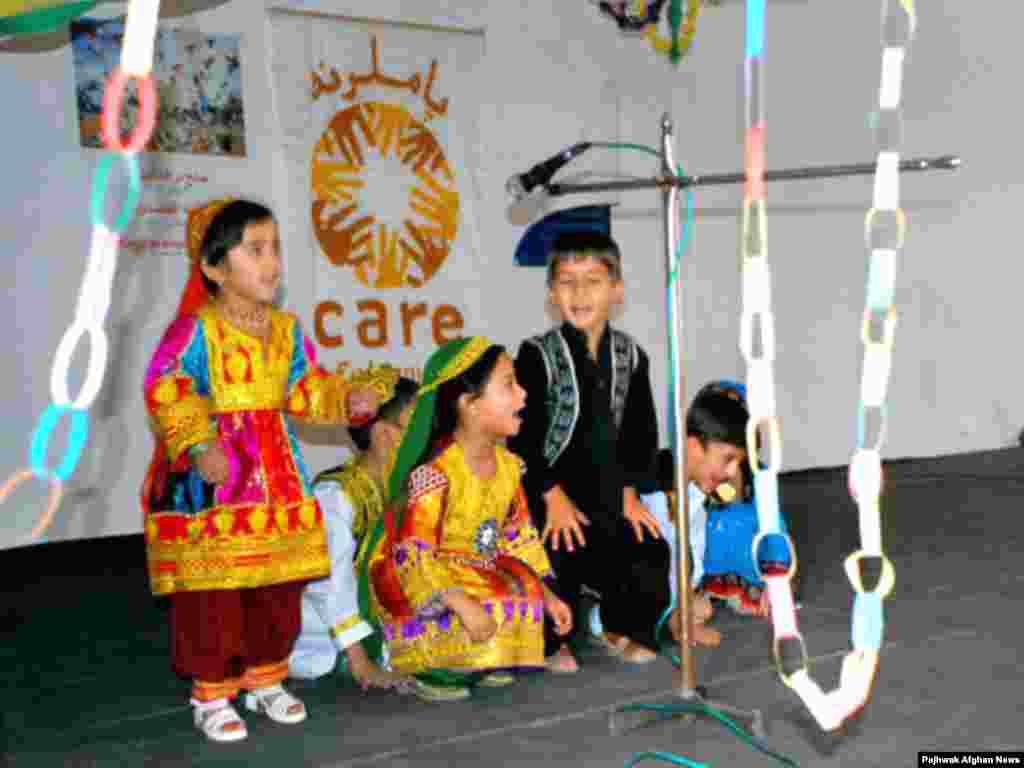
589,440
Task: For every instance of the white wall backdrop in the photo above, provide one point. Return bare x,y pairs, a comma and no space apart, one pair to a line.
553,74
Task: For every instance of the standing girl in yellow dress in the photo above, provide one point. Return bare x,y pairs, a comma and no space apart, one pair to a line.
233,531
456,565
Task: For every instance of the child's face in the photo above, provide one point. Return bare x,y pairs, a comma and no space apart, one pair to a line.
253,267
584,293
714,464
386,437
498,409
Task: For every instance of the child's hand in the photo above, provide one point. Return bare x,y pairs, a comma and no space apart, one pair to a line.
362,405
638,515
479,624
764,605
213,464
559,613
563,520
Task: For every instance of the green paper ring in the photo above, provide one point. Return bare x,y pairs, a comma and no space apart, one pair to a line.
100,182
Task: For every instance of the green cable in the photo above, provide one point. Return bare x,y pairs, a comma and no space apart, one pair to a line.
684,238
673,273
701,708
626,145
661,625
666,756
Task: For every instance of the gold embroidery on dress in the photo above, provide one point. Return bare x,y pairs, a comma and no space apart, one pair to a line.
460,523
473,501
345,625
185,423
362,491
245,373
216,551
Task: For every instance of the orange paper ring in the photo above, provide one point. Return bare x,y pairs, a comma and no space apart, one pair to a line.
56,492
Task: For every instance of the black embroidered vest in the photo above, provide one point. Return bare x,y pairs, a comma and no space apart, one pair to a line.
563,398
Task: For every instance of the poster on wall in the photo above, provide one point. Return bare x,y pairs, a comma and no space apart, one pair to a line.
198,80
374,118
200,119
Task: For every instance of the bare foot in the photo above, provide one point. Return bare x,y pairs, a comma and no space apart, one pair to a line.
764,606
706,636
614,643
367,673
702,608
562,662
702,611
702,634
634,653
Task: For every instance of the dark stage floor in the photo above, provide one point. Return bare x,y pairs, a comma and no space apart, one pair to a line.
86,679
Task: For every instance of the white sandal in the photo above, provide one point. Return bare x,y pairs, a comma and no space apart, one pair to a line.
219,721
277,704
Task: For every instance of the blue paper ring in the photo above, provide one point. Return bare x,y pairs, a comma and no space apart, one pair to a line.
76,440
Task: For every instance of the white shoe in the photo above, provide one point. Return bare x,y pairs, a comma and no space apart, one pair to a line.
219,721
277,704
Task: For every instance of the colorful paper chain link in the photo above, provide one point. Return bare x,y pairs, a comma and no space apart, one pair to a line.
95,294
642,16
885,231
683,30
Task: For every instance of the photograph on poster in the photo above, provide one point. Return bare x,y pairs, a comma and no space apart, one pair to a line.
198,80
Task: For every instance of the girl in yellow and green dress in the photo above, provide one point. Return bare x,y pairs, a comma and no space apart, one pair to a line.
456,571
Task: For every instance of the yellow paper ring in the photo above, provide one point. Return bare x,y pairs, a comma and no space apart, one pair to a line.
886,581
788,679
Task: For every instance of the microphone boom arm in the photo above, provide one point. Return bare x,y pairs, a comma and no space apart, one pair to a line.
943,163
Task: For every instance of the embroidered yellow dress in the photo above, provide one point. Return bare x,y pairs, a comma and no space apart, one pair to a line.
209,379
461,532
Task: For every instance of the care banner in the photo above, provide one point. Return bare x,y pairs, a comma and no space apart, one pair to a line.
378,124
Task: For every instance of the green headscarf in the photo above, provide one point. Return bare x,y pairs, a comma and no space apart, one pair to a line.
448,362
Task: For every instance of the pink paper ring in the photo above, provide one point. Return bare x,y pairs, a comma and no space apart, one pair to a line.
110,120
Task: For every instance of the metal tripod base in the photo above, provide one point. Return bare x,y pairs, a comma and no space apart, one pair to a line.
642,715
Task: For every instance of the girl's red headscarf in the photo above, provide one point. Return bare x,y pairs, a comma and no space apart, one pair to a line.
195,294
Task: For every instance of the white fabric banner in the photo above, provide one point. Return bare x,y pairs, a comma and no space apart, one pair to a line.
377,124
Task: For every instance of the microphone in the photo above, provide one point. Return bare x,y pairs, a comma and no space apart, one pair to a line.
521,185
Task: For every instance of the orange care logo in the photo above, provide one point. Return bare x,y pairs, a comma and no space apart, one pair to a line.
384,197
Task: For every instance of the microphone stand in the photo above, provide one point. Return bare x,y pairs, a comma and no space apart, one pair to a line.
695,696
942,163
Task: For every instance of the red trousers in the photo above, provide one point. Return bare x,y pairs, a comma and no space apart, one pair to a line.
232,639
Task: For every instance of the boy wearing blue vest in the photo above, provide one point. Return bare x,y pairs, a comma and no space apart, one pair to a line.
727,526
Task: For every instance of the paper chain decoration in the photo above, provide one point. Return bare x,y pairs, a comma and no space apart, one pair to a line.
885,231
95,294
